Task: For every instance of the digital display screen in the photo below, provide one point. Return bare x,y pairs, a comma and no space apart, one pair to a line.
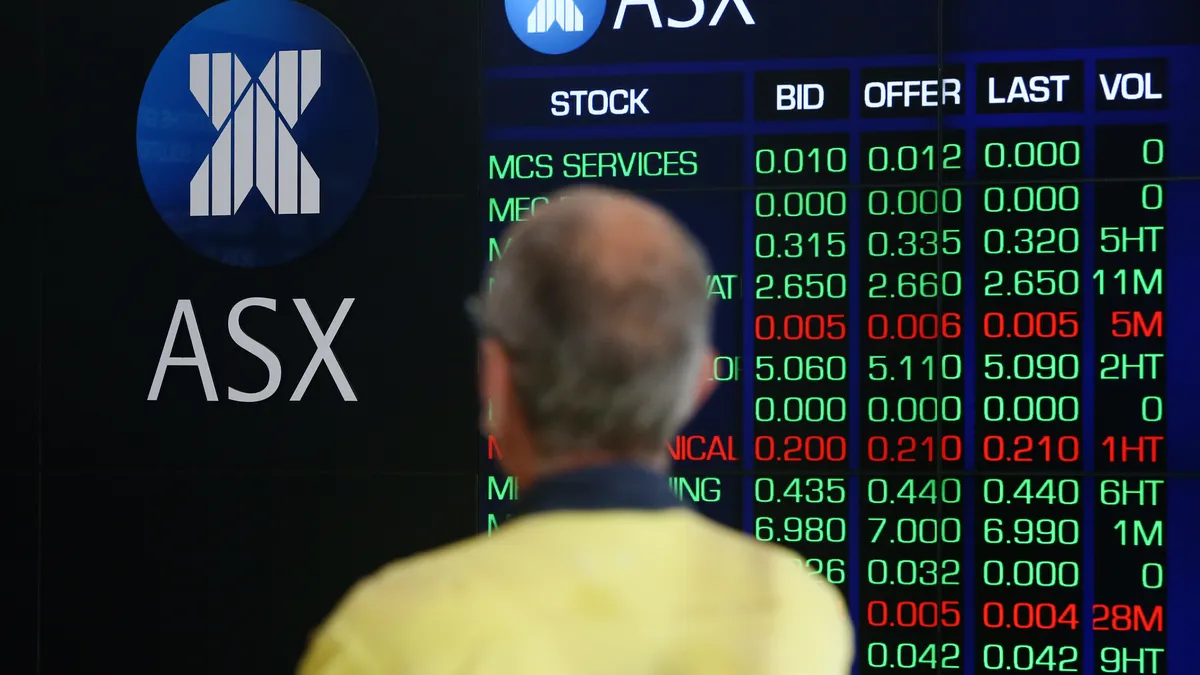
954,262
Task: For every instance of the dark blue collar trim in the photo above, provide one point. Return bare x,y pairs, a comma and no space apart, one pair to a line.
614,486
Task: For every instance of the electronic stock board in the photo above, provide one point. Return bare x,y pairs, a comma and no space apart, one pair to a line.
954,258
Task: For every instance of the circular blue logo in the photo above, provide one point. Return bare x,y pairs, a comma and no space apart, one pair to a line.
257,132
554,26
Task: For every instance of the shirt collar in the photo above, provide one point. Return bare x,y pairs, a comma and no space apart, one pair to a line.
613,486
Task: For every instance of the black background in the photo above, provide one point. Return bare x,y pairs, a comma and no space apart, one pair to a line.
182,536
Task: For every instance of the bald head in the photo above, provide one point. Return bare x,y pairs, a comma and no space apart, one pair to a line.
600,303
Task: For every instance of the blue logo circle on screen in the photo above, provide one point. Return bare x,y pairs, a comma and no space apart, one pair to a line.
257,132
554,26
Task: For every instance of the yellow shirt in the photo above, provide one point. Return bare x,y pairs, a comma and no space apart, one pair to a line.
610,592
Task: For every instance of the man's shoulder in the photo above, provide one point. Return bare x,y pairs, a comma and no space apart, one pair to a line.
425,582
430,603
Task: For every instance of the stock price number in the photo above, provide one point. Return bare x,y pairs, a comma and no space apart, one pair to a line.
795,245
914,202
1031,325
1025,448
914,572
1025,283
799,204
800,409
914,158
1030,616
1031,366
797,490
916,530
909,243
915,285
800,449
1031,408
1031,491
794,161
908,409
1031,573
943,656
768,368
908,449
793,529
908,368
910,614
1026,531
914,490
1031,199
800,327
1064,659
915,326
812,286
1031,241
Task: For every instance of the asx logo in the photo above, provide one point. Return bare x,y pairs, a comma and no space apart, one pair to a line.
273,163
562,26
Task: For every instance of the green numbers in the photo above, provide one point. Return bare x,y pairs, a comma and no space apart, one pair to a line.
833,569
799,204
914,572
797,490
813,530
1152,197
1026,199
1129,282
914,158
908,367
946,284
1031,366
1026,531
1153,151
800,409
795,286
1063,659
1152,575
798,160
797,245
768,368
1026,154
1031,409
914,202
908,244
1030,573
1031,490
944,656
914,490
1031,282
915,530
1030,240
915,409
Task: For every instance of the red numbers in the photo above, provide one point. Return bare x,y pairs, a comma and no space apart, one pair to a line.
907,614
1031,449
1031,325
1135,324
914,449
800,449
800,327
914,326
1132,449
1029,616
1127,618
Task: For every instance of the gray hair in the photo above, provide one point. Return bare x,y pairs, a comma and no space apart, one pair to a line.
606,338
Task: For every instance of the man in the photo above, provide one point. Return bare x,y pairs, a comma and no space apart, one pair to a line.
594,351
